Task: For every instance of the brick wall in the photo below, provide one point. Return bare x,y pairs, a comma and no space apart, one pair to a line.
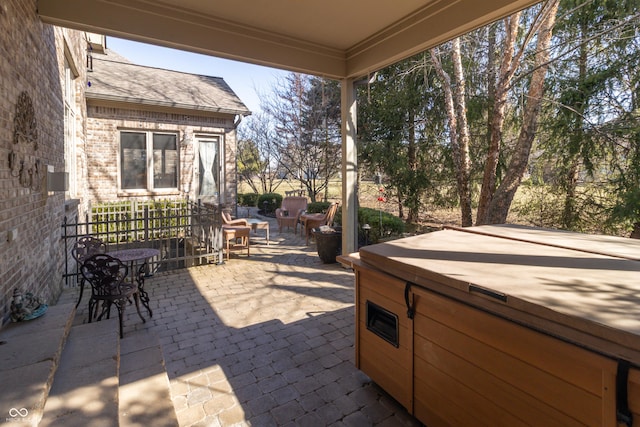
31,61
104,123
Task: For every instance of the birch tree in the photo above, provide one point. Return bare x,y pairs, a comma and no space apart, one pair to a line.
502,198
456,109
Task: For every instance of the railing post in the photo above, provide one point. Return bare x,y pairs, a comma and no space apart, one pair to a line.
146,223
66,253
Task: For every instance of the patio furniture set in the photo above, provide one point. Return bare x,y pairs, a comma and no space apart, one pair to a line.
112,281
115,280
291,213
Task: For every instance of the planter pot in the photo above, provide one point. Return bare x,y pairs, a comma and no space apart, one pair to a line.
329,245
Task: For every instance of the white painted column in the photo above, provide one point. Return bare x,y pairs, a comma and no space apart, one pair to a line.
349,167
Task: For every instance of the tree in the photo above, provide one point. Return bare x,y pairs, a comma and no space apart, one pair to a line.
305,111
502,198
456,108
258,155
496,194
498,87
248,162
595,51
400,133
323,128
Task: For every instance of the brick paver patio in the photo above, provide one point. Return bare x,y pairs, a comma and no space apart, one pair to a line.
264,341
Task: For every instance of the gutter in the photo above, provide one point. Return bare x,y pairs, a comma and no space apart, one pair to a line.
166,104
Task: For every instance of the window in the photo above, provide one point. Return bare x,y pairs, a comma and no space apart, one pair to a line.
148,161
70,127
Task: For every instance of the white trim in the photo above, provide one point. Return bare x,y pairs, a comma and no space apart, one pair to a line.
69,115
150,187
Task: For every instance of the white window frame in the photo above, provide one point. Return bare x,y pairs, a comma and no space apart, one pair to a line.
150,189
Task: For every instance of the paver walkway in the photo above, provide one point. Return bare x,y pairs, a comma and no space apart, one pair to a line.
264,341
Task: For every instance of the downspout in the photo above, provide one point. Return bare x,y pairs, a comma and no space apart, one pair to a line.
236,122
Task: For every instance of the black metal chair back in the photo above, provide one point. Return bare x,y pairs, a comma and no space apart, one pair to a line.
107,276
87,246
83,249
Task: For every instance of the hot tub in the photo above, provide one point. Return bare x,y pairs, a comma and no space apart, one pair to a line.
503,325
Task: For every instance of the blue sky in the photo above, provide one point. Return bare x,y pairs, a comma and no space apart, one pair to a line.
246,80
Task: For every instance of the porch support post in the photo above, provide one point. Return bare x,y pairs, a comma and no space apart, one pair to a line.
349,167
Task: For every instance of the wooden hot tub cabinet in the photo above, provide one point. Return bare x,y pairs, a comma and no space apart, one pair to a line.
503,326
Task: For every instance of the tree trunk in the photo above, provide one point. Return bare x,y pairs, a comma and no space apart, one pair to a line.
496,116
412,215
501,202
491,101
569,216
400,206
459,144
462,158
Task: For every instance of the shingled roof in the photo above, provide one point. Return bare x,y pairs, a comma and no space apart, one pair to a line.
114,78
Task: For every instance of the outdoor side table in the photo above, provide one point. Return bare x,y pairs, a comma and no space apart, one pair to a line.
257,224
133,256
236,238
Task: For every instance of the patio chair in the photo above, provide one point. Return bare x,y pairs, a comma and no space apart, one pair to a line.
288,214
84,247
227,220
109,286
311,221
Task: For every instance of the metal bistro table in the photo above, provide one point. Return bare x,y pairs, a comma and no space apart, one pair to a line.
133,256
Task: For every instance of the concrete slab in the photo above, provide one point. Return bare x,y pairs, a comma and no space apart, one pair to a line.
85,388
145,398
29,355
57,316
24,392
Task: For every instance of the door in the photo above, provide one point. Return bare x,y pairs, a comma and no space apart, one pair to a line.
210,169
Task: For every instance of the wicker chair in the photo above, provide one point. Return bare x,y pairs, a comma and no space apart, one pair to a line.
83,249
226,220
311,221
289,212
107,276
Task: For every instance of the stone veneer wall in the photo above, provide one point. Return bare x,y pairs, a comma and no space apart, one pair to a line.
104,123
31,60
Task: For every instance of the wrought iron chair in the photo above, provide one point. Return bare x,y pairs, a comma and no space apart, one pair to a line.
107,276
83,249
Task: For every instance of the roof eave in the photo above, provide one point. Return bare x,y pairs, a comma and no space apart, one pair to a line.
132,101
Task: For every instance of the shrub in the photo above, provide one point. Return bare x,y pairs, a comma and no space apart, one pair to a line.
248,199
382,224
269,202
317,207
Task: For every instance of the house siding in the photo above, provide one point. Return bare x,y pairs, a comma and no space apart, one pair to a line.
104,124
32,61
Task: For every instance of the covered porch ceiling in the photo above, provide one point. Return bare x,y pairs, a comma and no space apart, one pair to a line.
331,38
